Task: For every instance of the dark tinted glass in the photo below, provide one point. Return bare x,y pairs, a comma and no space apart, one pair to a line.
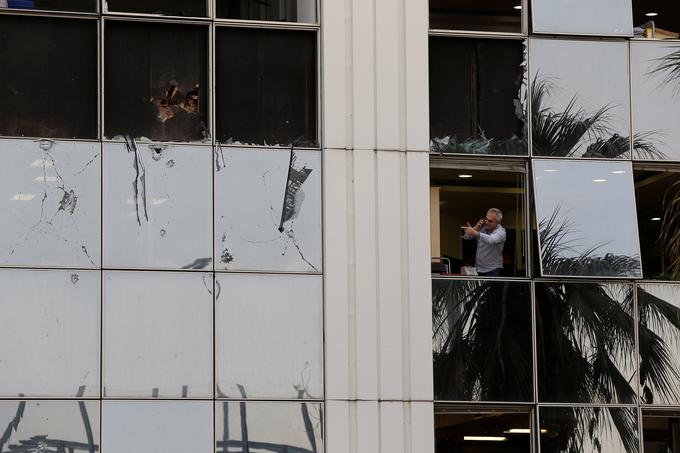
656,19
492,431
271,10
156,81
53,5
489,15
266,86
193,8
481,334
48,80
661,432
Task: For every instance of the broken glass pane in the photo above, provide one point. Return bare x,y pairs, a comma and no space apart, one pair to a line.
158,334
48,81
50,203
266,86
157,426
50,325
190,8
49,426
52,5
277,227
269,336
157,206
156,81
271,10
582,17
268,426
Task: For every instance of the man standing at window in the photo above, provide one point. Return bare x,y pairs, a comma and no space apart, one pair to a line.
490,237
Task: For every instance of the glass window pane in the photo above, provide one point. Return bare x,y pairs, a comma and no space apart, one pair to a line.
478,431
164,221
49,426
591,429
50,203
268,426
271,10
585,17
494,15
192,8
656,19
52,5
158,334
586,218
277,227
477,96
156,81
266,87
656,100
574,114
586,343
661,431
659,333
157,426
269,336
481,334
50,326
48,82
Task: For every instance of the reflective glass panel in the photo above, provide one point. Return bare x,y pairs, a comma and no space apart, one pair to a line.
49,426
157,426
271,10
269,336
477,96
48,81
586,343
659,336
268,427
655,72
586,218
493,15
51,5
194,8
49,203
479,431
584,17
277,227
158,334
156,81
481,334
50,326
266,86
574,112
157,206
589,429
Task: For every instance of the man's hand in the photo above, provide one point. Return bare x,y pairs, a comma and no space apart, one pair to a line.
469,231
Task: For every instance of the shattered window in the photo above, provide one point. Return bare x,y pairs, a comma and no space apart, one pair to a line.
86,6
270,10
190,8
266,87
156,81
48,81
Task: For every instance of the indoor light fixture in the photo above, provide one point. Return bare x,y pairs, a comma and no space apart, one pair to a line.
465,176
599,180
22,197
656,219
522,431
619,172
651,14
486,438
518,7
550,170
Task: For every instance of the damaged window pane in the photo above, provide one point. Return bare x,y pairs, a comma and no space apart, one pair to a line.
48,81
50,203
50,325
271,10
266,87
277,227
86,6
269,336
157,206
189,8
156,81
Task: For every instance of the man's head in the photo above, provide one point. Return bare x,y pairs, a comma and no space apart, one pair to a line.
493,218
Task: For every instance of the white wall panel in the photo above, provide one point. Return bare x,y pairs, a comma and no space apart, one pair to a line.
363,82
417,110
389,73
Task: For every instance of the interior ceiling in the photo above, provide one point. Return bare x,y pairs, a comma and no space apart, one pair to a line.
501,7
668,10
449,177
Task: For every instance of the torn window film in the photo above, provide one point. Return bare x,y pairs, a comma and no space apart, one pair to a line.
48,82
85,6
266,90
270,10
156,81
184,8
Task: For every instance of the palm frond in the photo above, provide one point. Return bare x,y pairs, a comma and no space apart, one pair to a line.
670,228
668,67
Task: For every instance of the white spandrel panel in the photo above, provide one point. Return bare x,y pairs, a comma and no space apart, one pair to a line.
267,209
583,17
157,206
49,203
157,426
157,334
269,332
50,333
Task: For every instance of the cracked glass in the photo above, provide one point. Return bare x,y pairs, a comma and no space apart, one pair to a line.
182,8
50,325
50,204
48,82
157,206
265,87
157,334
277,227
156,82
269,336
587,224
270,10
268,426
583,17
